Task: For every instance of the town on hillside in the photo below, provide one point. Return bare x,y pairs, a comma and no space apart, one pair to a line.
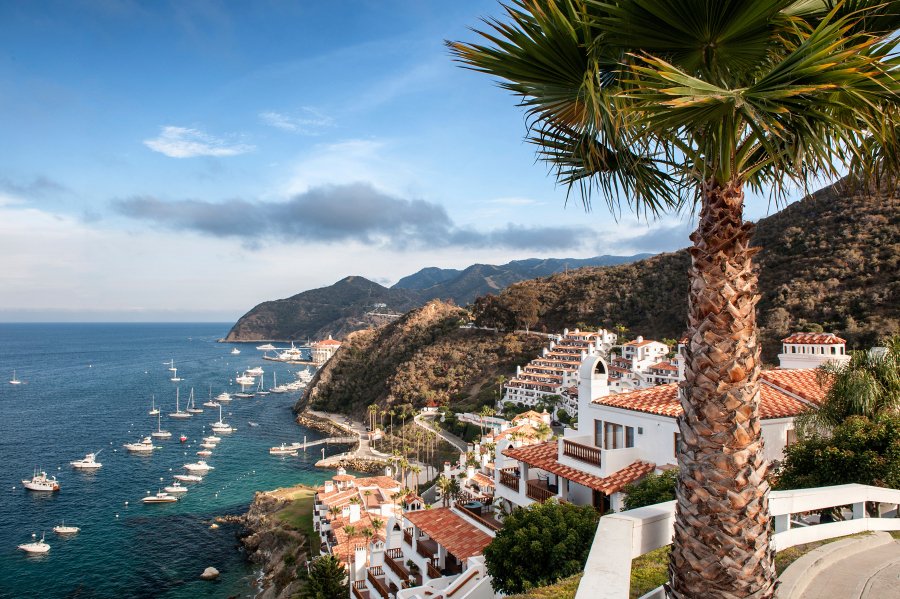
595,415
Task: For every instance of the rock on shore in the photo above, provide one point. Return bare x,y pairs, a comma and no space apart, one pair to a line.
276,547
210,574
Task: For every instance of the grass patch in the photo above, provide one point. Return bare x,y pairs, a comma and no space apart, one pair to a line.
298,515
649,571
564,589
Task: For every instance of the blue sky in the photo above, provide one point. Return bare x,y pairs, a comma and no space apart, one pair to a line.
187,160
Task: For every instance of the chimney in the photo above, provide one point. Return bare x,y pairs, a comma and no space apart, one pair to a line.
329,486
447,469
354,513
470,472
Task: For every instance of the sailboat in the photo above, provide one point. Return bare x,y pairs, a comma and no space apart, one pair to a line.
260,390
171,364
221,426
14,380
175,378
179,413
154,411
193,409
160,433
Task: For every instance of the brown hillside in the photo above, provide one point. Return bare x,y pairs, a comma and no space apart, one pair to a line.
829,260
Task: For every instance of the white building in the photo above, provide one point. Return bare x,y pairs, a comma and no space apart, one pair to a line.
555,372
622,437
811,350
321,351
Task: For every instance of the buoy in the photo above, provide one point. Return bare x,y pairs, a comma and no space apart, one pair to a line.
126,503
117,515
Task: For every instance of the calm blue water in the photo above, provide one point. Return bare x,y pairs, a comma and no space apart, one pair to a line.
88,387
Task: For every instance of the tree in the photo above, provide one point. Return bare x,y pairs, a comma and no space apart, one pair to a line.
539,545
867,385
327,580
675,104
653,488
859,450
444,484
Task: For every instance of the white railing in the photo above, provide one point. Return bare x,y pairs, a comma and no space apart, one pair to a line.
473,583
607,573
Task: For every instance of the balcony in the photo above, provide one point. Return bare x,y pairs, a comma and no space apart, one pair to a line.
508,478
359,589
375,575
584,453
539,490
395,561
433,572
476,511
427,548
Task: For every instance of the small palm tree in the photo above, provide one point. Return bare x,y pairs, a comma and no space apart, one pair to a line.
415,469
350,531
666,105
867,385
444,484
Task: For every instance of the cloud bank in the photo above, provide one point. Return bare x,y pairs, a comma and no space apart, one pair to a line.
343,213
182,142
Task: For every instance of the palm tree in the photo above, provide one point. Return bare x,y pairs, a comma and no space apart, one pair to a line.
444,484
350,530
415,469
867,385
486,412
671,105
367,533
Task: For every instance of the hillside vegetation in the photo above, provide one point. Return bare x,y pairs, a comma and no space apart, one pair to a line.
829,261
423,356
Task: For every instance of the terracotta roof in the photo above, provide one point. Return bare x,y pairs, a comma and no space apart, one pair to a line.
343,542
665,366
385,482
641,343
529,415
544,456
328,342
456,535
777,391
483,481
343,478
814,338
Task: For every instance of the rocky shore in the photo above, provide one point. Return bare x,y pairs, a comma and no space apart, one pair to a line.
323,425
357,465
273,538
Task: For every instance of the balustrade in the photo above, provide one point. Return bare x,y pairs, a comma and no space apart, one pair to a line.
585,453
509,479
538,491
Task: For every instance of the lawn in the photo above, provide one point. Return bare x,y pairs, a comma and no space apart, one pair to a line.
298,514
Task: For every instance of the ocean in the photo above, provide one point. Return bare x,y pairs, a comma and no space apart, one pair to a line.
88,387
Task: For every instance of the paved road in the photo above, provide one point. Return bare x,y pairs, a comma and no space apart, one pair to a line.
872,574
448,437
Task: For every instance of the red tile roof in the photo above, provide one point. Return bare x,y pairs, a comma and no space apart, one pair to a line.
778,389
456,535
814,339
665,366
482,480
544,456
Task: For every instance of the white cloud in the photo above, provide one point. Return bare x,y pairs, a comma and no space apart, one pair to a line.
183,142
309,122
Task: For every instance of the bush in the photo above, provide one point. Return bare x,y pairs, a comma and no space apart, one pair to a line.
653,488
539,545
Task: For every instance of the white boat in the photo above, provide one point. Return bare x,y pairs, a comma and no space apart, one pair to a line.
171,364
160,497
175,378
89,462
176,488
198,466
159,433
212,439
223,397
285,449
211,404
145,445
208,445
193,409
188,478
62,529
235,351
204,453
154,411
179,413
266,347
14,380
255,371
243,395
251,423
220,426
35,546
304,376
41,482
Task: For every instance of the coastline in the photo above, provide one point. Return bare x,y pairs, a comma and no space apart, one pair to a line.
278,535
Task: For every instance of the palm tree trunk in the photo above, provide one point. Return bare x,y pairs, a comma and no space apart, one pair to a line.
722,547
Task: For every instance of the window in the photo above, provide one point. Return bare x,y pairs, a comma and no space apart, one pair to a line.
676,439
598,433
616,436
791,438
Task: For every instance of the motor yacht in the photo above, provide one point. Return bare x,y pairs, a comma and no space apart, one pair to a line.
208,445
145,445
35,546
212,439
285,449
176,488
89,462
220,426
62,529
160,497
235,351
255,371
223,397
188,478
41,482
198,466
204,453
